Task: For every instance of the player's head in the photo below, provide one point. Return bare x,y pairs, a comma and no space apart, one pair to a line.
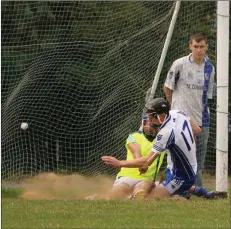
198,36
147,126
157,110
198,44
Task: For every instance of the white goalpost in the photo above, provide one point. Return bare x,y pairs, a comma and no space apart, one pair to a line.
222,95
165,49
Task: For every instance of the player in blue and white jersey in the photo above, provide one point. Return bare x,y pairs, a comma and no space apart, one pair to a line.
176,136
194,190
188,86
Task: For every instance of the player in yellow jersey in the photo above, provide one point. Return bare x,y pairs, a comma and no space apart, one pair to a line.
129,181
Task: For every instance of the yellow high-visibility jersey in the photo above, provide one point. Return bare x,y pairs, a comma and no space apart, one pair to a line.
145,148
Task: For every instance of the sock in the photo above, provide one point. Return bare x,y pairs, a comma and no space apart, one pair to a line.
199,191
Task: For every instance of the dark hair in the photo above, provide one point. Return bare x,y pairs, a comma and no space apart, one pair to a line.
198,36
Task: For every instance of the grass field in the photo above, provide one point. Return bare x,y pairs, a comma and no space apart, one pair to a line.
195,213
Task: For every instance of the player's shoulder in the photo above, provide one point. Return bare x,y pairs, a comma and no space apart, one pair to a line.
178,117
181,61
134,136
209,61
167,125
209,65
175,113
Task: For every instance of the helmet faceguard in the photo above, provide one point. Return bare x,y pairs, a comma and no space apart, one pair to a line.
147,126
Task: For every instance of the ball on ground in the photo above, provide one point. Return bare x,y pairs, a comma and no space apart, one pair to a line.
24,125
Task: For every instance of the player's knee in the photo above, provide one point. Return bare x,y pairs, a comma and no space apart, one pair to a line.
160,192
119,191
146,186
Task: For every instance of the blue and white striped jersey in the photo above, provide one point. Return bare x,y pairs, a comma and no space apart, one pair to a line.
177,137
192,85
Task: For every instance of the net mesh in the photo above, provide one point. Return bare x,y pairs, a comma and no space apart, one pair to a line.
77,73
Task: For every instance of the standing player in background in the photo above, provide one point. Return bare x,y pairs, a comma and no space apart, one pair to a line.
188,86
175,135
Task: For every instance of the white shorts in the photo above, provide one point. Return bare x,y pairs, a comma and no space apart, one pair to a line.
129,181
126,180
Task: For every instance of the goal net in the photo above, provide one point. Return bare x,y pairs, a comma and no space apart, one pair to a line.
78,72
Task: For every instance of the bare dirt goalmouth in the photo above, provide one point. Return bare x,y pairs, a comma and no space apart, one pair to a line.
53,186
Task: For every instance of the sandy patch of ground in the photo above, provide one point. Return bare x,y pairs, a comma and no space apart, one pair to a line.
52,186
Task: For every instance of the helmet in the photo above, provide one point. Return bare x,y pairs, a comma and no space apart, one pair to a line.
156,106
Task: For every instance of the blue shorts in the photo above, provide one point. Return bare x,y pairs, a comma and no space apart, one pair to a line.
176,186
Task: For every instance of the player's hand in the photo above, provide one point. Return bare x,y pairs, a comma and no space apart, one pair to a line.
111,161
195,138
143,170
196,130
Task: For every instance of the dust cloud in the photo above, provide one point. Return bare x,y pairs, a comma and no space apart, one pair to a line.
50,186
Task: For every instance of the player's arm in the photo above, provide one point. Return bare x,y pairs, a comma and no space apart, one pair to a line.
168,94
135,150
158,148
133,146
162,138
170,81
136,163
195,128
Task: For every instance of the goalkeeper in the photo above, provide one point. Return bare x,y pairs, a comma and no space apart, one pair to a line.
129,181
